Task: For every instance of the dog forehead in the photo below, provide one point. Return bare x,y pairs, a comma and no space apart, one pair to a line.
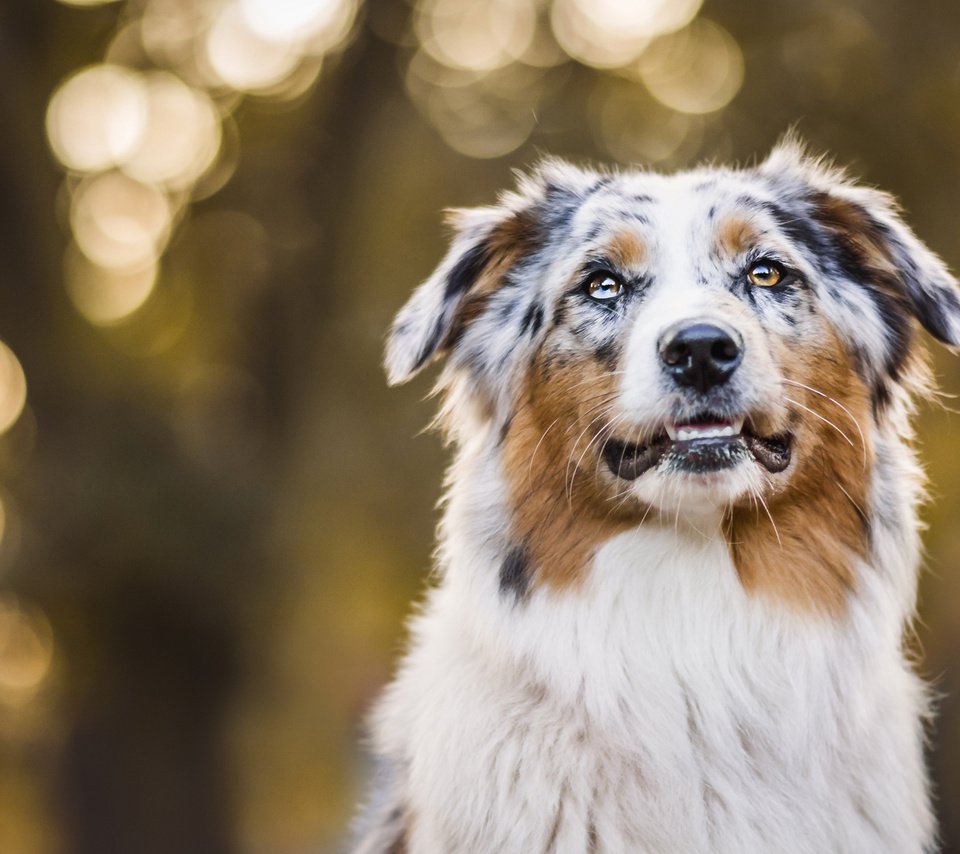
680,214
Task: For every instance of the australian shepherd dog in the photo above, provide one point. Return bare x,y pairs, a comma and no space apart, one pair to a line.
679,548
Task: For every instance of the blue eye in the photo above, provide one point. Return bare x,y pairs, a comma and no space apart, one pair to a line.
604,287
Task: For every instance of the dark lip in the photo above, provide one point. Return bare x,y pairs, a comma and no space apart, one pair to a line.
698,456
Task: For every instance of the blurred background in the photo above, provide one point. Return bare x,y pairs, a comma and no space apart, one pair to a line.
214,513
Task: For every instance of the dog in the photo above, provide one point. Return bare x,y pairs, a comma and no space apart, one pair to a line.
679,548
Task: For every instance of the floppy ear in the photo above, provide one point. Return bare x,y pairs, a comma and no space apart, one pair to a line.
486,242
871,222
876,246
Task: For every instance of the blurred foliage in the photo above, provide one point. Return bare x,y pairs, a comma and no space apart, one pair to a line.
214,515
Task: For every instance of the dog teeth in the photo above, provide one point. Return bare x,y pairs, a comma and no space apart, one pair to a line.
688,432
672,432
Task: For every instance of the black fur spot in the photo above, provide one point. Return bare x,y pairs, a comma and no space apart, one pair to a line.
504,430
560,313
599,184
515,573
532,320
559,208
467,270
933,314
607,353
833,253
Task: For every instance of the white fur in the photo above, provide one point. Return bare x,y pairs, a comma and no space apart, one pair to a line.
658,709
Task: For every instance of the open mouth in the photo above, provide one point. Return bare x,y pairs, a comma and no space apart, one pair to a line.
703,444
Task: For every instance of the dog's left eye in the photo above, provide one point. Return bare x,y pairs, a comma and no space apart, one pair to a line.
765,274
604,287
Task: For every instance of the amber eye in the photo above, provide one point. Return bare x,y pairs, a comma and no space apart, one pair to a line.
765,274
604,287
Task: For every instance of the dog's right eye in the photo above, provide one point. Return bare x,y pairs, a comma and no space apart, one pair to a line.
604,287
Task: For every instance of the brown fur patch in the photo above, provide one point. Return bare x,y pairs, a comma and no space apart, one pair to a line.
509,241
807,560
735,235
627,250
864,243
859,235
560,512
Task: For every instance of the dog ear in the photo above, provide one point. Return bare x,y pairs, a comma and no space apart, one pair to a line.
875,244
487,241
869,225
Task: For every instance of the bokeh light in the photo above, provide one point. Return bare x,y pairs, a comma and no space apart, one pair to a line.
96,118
87,2
118,222
611,33
180,136
242,58
171,31
26,650
106,296
148,141
319,23
697,70
633,128
482,116
13,388
476,36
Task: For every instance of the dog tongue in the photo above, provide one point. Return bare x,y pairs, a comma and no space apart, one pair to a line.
772,453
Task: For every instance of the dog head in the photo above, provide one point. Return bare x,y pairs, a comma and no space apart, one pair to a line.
717,343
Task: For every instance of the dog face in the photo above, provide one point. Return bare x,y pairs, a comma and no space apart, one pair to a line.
715,344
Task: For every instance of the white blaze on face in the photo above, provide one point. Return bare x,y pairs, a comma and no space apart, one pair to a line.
686,290
675,297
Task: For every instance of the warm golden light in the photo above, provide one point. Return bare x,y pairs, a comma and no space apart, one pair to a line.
634,129
698,70
26,650
481,116
86,2
170,29
104,296
612,33
294,21
180,137
13,388
96,118
476,36
242,58
118,222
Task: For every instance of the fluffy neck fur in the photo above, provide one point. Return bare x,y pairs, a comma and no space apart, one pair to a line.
658,706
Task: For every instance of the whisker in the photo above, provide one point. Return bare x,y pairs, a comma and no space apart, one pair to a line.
568,476
586,450
827,421
611,429
537,448
859,509
770,517
837,403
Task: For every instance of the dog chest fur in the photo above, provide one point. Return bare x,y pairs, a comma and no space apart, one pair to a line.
658,709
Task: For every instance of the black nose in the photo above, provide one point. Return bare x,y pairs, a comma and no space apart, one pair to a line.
701,355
